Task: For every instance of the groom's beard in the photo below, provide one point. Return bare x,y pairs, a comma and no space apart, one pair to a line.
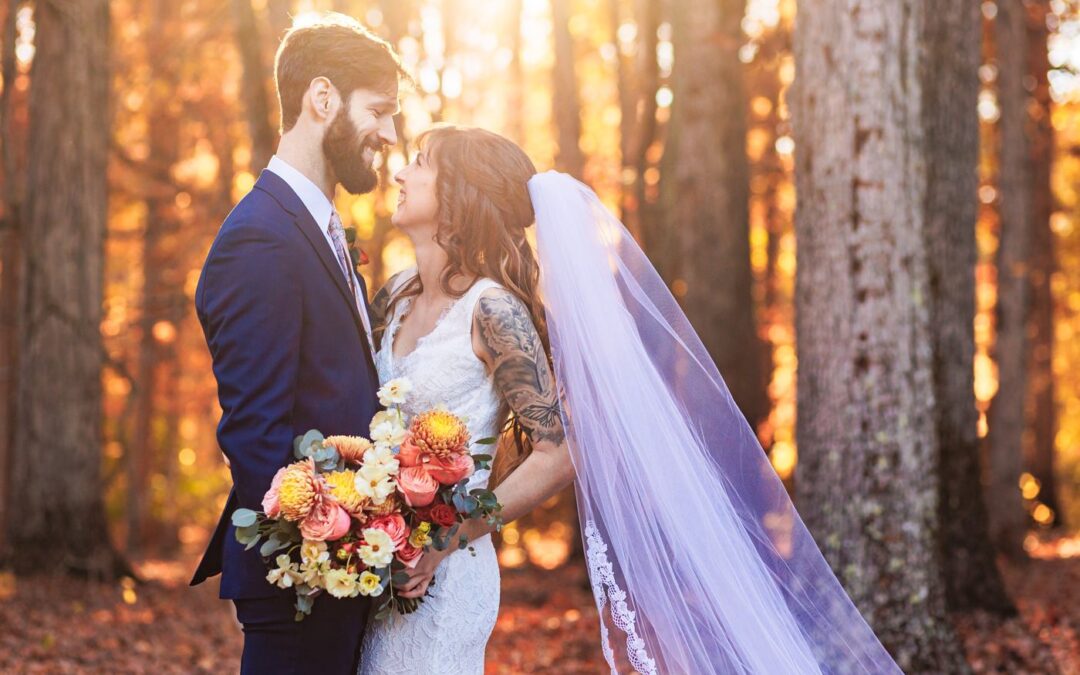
344,148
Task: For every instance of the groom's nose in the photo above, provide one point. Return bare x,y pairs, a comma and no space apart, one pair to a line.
387,132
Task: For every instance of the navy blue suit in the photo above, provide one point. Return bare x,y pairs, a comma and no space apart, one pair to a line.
290,354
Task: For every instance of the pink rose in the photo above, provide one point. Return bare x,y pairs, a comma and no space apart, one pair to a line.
326,522
451,470
270,503
408,453
394,526
418,487
409,555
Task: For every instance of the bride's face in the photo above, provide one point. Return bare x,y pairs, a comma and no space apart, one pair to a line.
418,203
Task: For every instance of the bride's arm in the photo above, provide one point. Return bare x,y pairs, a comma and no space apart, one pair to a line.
508,343
506,340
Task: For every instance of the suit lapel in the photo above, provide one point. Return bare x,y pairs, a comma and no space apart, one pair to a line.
277,188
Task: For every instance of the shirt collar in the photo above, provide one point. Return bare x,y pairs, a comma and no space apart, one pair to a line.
313,198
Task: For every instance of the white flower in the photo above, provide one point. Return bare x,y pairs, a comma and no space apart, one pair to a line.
388,431
341,584
394,391
375,482
286,574
314,551
382,456
311,573
377,549
370,584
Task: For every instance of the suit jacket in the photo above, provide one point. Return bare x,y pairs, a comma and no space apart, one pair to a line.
289,353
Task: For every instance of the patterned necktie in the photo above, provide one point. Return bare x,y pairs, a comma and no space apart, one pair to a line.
337,233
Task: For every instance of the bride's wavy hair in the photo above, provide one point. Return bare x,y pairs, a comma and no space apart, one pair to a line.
484,210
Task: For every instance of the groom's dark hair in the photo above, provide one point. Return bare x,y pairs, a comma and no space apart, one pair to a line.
338,48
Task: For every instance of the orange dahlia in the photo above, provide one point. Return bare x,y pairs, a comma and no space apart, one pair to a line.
299,489
439,432
351,448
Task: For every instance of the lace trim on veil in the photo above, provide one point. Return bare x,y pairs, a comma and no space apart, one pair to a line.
604,587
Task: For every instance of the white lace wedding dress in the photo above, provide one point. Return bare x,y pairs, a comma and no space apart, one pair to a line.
449,632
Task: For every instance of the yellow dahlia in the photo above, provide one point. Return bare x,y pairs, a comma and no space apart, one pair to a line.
342,486
300,487
439,432
351,448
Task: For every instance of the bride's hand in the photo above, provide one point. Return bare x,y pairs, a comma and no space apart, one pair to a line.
420,576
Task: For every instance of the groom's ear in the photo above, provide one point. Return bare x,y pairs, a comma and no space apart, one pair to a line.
322,100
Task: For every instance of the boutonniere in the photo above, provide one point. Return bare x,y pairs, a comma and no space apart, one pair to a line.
359,257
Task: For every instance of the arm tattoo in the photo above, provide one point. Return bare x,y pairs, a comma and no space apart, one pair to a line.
522,373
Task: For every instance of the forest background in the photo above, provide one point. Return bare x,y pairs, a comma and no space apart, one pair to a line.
904,336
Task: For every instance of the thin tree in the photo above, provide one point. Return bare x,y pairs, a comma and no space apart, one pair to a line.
256,99
1008,519
566,104
953,38
162,297
1039,457
868,485
12,162
709,184
58,516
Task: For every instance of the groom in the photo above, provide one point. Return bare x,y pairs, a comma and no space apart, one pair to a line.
286,321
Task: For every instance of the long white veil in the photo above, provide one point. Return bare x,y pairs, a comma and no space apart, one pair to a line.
698,561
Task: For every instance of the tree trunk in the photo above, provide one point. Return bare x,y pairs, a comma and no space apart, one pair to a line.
710,181
516,107
279,16
58,517
10,244
1043,423
952,41
566,106
867,486
1008,519
253,84
161,294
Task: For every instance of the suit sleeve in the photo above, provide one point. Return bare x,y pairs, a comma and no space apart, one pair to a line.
252,314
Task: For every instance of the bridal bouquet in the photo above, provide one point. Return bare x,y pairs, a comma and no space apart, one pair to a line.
352,513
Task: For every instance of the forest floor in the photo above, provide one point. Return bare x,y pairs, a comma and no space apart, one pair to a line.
547,625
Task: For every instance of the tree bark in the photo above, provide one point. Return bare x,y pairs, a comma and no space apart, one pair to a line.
867,484
58,517
566,105
10,244
710,181
1008,519
952,39
253,84
1043,423
162,292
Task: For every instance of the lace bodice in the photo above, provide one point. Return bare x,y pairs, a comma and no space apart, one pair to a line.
444,370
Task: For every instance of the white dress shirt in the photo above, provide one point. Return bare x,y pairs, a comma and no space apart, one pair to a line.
320,209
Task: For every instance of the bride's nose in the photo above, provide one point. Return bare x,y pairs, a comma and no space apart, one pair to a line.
399,177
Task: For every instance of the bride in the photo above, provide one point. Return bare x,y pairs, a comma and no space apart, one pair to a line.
697,559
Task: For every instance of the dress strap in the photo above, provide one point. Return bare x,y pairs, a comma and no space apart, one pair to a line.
467,303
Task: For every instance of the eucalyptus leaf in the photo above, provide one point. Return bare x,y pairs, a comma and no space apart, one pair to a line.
304,603
400,578
490,440
244,517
